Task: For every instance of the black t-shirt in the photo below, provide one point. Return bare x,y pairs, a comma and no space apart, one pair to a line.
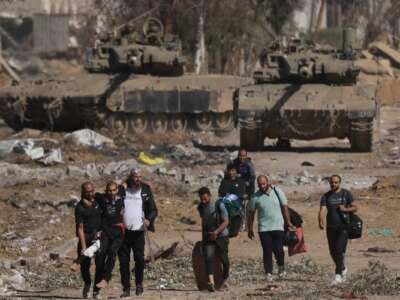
332,201
112,211
90,217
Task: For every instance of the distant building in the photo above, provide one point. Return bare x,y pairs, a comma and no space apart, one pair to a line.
48,21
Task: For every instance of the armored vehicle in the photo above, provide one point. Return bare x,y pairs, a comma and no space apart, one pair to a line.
306,92
135,82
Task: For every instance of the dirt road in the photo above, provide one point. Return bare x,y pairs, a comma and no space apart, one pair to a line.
30,230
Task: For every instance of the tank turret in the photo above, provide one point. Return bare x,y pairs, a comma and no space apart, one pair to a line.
306,92
127,50
299,63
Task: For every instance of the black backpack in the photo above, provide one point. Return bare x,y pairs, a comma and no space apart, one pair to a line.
295,217
352,223
290,237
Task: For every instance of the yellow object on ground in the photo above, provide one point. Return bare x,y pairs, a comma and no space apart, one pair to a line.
146,159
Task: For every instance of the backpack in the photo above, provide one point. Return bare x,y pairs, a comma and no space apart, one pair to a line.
234,209
290,238
295,217
352,223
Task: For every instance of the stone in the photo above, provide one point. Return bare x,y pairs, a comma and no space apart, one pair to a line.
75,171
87,137
54,156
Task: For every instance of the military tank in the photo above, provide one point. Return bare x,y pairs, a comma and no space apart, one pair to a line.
306,92
135,82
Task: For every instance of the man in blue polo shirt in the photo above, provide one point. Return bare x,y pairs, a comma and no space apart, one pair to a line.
269,202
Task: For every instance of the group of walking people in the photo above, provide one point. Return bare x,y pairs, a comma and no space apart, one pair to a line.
122,215
120,219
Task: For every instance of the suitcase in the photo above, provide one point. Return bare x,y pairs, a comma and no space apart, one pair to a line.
199,268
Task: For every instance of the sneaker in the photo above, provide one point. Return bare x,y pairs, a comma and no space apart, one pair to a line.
125,294
139,290
211,287
102,284
344,272
270,278
338,279
96,295
85,291
281,272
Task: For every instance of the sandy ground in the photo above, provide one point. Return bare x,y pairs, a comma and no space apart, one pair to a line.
53,230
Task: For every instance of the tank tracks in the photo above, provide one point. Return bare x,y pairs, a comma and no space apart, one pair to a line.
360,136
119,122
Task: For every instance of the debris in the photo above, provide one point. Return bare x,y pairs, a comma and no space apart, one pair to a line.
54,156
151,161
379,250
387,52
386,232
5,66
87,137
54,256
164,253
187,221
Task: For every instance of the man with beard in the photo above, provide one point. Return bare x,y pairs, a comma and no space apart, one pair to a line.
88,225
140,211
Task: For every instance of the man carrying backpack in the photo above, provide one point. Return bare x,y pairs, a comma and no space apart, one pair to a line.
214,222
246,172
272,211
333,204
232,185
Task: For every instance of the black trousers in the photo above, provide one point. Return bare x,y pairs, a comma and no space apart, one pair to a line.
85,263
111,241
337,241
134,240
217,248
272,242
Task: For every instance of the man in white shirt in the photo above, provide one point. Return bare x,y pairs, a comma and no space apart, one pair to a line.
139,215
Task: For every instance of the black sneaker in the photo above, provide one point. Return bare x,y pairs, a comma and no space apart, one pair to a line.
139,290
211,287
125,294
96,295
85,291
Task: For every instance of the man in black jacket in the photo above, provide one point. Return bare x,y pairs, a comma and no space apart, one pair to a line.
88,226
112,230
140,211
245,170
231,184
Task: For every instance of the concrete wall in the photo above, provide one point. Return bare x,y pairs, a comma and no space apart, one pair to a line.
50,32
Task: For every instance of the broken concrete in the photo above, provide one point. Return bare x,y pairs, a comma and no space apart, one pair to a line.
87,137
387,52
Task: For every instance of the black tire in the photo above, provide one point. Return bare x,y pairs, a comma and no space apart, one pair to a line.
361,137
251,139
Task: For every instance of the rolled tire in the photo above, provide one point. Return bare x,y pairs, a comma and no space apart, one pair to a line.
251,139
